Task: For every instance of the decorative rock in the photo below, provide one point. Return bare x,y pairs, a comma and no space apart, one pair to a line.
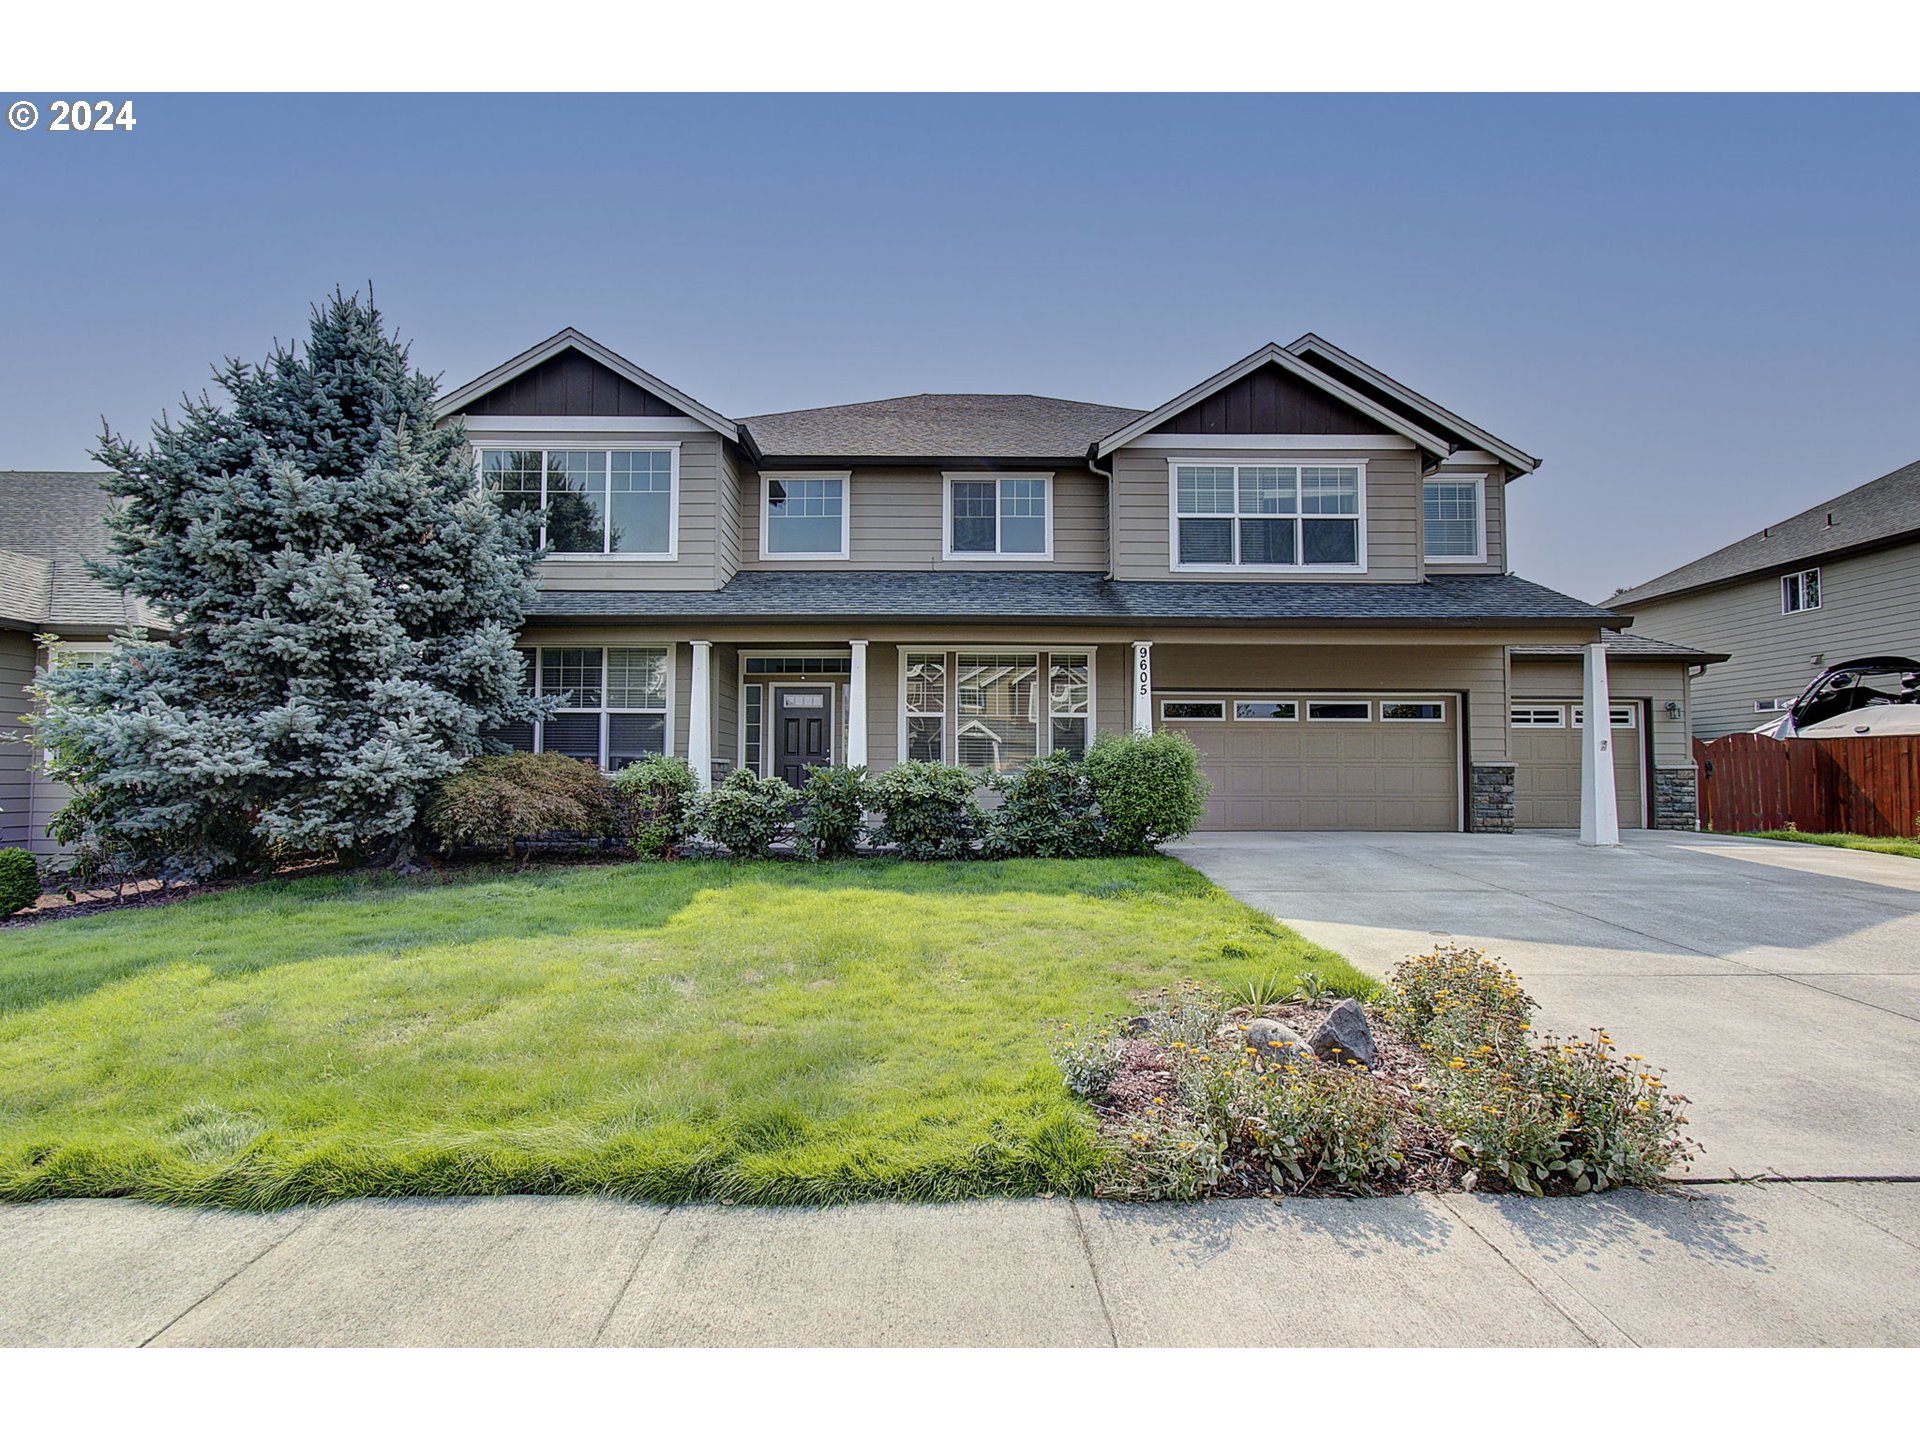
1344,1035
1140,1025
1275,1044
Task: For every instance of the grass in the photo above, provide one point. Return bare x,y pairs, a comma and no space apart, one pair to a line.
766,1032
1883,844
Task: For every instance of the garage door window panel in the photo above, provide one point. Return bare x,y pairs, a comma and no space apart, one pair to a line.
1340,710
1260,710
1193,709
1413,711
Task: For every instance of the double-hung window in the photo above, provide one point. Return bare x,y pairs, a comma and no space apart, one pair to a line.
1451,518
612,703
592,501
804,516
1006,515
1799,591
1267,517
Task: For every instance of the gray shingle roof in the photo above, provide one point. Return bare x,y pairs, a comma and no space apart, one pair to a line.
52,521
992,427
1453,601
1628,646
1876,513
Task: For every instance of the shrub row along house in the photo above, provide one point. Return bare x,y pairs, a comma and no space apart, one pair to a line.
1299,562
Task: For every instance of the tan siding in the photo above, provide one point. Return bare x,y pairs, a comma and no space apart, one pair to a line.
1142,515
1496,522
1478,671
16,757
896,521
727,552
1656,682
726,704
696,566
883,707
1869,605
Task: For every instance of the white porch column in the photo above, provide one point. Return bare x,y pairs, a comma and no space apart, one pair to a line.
700,714
1143,687
1599,812
857,705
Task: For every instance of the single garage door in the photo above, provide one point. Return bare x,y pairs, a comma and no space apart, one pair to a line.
1324,762
1546,764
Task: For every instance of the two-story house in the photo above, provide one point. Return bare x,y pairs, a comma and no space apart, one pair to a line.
1299,562
1839,581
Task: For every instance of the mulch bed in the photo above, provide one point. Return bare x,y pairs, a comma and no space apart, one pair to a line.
1400,1065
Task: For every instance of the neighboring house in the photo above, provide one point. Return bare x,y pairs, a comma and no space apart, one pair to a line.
1299,562
1836,582
50,522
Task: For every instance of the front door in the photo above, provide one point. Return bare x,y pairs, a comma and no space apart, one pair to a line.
802,730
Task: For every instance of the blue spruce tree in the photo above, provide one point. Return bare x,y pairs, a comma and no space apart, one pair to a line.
340,602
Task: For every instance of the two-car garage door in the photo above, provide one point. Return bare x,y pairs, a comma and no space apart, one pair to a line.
1323,762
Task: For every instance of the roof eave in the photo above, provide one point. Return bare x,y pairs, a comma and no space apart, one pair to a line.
1640,596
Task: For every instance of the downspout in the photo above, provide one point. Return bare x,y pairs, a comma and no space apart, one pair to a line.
1093,457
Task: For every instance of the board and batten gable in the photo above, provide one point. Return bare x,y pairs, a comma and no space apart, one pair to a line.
571,383
1869,605
897,520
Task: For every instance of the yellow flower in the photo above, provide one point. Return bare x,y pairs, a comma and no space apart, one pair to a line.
1456,1064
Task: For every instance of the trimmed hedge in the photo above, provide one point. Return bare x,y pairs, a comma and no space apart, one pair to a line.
1149,787
833,806
927,811
653,804
746,813
19,881
1047,812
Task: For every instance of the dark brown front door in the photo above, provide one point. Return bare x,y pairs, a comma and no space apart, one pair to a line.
802,730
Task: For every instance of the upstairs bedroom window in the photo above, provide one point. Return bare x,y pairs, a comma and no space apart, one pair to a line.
1004,515
804,517
595,502
1451,515
1267,517
1799,591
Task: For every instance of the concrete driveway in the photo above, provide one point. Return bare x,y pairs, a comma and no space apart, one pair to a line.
1778,984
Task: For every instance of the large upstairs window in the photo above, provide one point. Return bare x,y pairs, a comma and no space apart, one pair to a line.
804,516
1267,517
1003,515
595,501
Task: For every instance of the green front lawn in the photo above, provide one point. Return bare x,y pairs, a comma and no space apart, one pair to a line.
772,1032
1885,845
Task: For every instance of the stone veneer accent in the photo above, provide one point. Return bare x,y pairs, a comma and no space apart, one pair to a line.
1490,798
1676,798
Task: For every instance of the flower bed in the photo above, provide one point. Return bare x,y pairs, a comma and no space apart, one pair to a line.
1197,1095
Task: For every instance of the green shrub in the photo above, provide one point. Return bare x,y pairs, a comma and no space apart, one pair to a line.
1047,812
1323,1125
653,803
746,813
1149,788
499,801
19,881
1560,1115
833,807
1452,1001
927,811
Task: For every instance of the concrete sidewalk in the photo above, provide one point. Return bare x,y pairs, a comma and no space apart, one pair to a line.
1780,1264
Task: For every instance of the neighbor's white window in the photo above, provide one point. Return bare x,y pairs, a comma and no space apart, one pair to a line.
997,728
924,697
1799,591
804,517
597,502
1000,515
613,709
1452,521
1268,517
1069,702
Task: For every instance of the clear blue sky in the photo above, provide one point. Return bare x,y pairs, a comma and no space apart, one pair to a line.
1704,312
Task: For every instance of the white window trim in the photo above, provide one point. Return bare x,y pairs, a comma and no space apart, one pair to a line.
1819,586
672,647
1291,718
1166,719
845,477
950,652
1239,462
1534,710
947,480
744,682
1479,557
574,557
1366,719
1380,709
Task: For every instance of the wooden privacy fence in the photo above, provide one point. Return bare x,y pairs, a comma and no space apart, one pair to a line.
1862,784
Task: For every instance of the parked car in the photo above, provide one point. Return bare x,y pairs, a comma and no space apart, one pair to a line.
1879,694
